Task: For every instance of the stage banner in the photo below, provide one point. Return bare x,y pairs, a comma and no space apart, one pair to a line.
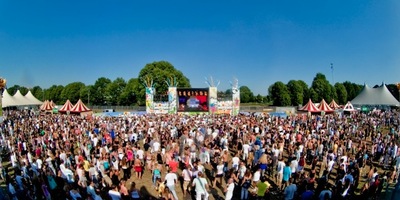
213,100
172,100
235,100
150,99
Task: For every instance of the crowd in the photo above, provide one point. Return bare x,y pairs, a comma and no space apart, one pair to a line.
247,156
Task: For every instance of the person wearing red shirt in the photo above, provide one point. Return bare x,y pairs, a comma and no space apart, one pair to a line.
173,165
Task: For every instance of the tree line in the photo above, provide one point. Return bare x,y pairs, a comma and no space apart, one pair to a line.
120,92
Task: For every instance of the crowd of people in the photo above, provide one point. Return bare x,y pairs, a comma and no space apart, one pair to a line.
249,156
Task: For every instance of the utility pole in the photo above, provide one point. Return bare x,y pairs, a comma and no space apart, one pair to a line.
333,80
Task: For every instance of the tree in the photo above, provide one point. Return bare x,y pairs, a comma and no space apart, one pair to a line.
37,92
246,95
352,90
114,90
322,88
13,89
72,92
55,93
128,95
394,90
159,72
306,91
85,94
259,99
341,93
279,94
99,90
295,92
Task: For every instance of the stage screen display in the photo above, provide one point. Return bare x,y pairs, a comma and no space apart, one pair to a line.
192,99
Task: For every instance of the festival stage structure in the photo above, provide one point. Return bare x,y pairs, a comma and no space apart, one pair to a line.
191,100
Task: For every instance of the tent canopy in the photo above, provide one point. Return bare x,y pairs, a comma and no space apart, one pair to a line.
334,105
79,107
380,96
18,99
310,107
66,107
323,106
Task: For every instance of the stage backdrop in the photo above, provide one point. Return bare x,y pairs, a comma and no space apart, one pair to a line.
213,100
172,100
192,99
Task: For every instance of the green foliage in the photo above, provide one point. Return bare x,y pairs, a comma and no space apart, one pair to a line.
13,89
99,90
295,92
72,92
246,95
128,95
114,91
306,91
38,93
159,72
279,94
352,90
259,99
85,93
55,93
393,89
341,94
322,89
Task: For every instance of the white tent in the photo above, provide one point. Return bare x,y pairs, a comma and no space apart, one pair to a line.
375,96
22,101
349,107
32,99
18,99
7,100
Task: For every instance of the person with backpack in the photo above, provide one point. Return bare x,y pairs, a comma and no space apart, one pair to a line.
201,187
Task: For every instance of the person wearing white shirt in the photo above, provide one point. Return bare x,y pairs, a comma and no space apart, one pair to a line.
201,186
257,175
229,189
246,148
235,162
156,146
279,175
171,180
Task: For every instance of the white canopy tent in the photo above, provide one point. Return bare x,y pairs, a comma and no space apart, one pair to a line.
18,99
375,97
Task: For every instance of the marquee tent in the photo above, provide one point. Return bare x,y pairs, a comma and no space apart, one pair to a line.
32,99
334,105
79,107
7,100
349,107
18,99
66,107
323,106
380,96
310,107
21,99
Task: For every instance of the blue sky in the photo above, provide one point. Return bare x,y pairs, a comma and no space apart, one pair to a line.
258,42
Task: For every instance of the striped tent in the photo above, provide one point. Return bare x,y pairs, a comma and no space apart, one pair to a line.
46,106
310,107
334,105
66,107
79,107
323,106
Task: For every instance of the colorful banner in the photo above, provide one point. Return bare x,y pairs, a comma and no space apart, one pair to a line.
236,100
149,99
172,100
212,95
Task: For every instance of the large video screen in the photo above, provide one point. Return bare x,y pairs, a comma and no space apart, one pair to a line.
192,99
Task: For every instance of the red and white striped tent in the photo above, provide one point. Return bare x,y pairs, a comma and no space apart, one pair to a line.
310,107
66,107
52,103
80,108
46,106
323,106
334,105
